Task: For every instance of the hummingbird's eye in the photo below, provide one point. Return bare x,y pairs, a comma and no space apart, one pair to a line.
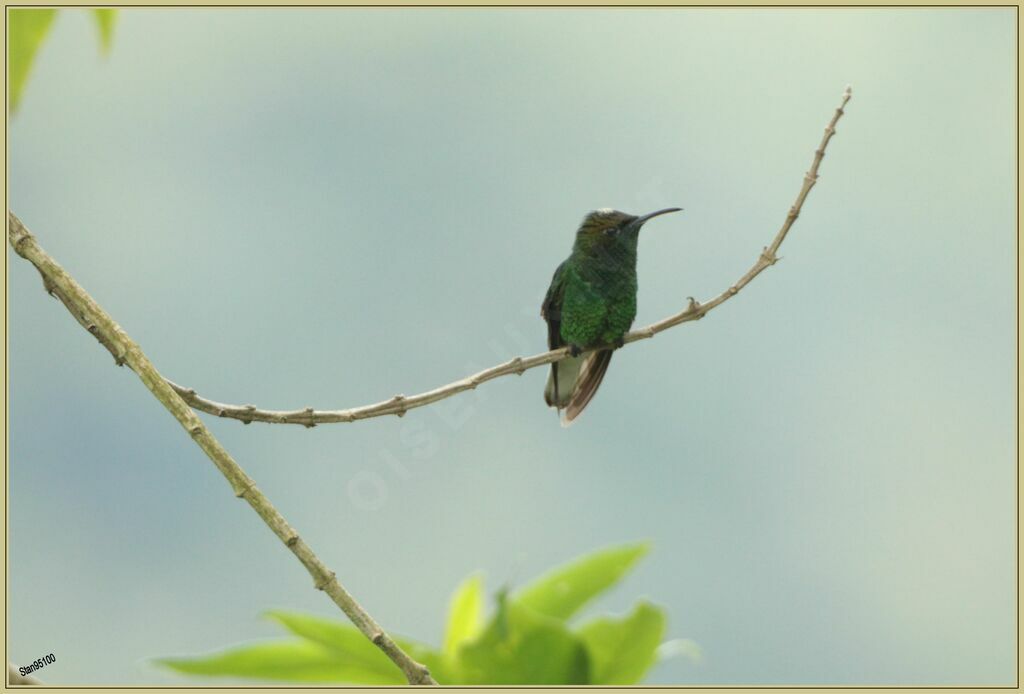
611,231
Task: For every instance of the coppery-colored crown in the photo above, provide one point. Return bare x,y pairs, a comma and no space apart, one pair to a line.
604,218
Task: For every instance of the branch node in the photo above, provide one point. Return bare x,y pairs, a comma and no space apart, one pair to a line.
221,412
400,401
195,430
309,413
243,491
734,290
324,581
250,409
292,540
517,365
377,638
419,674
769,258
120,358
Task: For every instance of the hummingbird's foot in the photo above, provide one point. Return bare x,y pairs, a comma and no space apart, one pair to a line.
620,342
575,350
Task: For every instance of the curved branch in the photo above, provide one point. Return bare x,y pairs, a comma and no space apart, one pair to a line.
400,404
99,323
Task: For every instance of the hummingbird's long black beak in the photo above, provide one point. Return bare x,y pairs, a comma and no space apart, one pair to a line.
639,221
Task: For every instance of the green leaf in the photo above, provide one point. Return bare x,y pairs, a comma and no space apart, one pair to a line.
622,650
105,20
520,646
563,591
351,646
289,661
464,614
26,30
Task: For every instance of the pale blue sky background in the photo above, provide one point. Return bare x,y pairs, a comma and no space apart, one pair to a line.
328,207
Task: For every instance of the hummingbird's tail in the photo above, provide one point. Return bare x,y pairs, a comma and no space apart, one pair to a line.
562,381
573,382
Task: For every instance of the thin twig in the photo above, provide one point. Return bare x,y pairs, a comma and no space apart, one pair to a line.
400,404
125,351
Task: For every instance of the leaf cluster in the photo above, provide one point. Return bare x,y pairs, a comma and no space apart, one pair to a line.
529,637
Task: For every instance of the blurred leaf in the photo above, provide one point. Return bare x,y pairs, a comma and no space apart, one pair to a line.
352,647
105,20
292,661
622,650
525,642
26,30
464,614
681,648
566,589
520,646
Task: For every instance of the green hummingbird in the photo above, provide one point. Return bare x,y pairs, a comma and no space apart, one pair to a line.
591,303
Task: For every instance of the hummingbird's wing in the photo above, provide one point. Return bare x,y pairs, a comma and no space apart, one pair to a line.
573,380
551,310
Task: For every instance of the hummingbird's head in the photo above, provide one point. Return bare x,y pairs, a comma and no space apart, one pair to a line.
608,229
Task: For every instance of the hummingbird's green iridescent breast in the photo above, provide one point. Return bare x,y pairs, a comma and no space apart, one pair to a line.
599,304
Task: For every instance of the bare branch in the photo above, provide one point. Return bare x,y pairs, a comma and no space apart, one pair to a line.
400,404
87,312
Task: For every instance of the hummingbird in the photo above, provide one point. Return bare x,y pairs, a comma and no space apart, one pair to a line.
590,304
